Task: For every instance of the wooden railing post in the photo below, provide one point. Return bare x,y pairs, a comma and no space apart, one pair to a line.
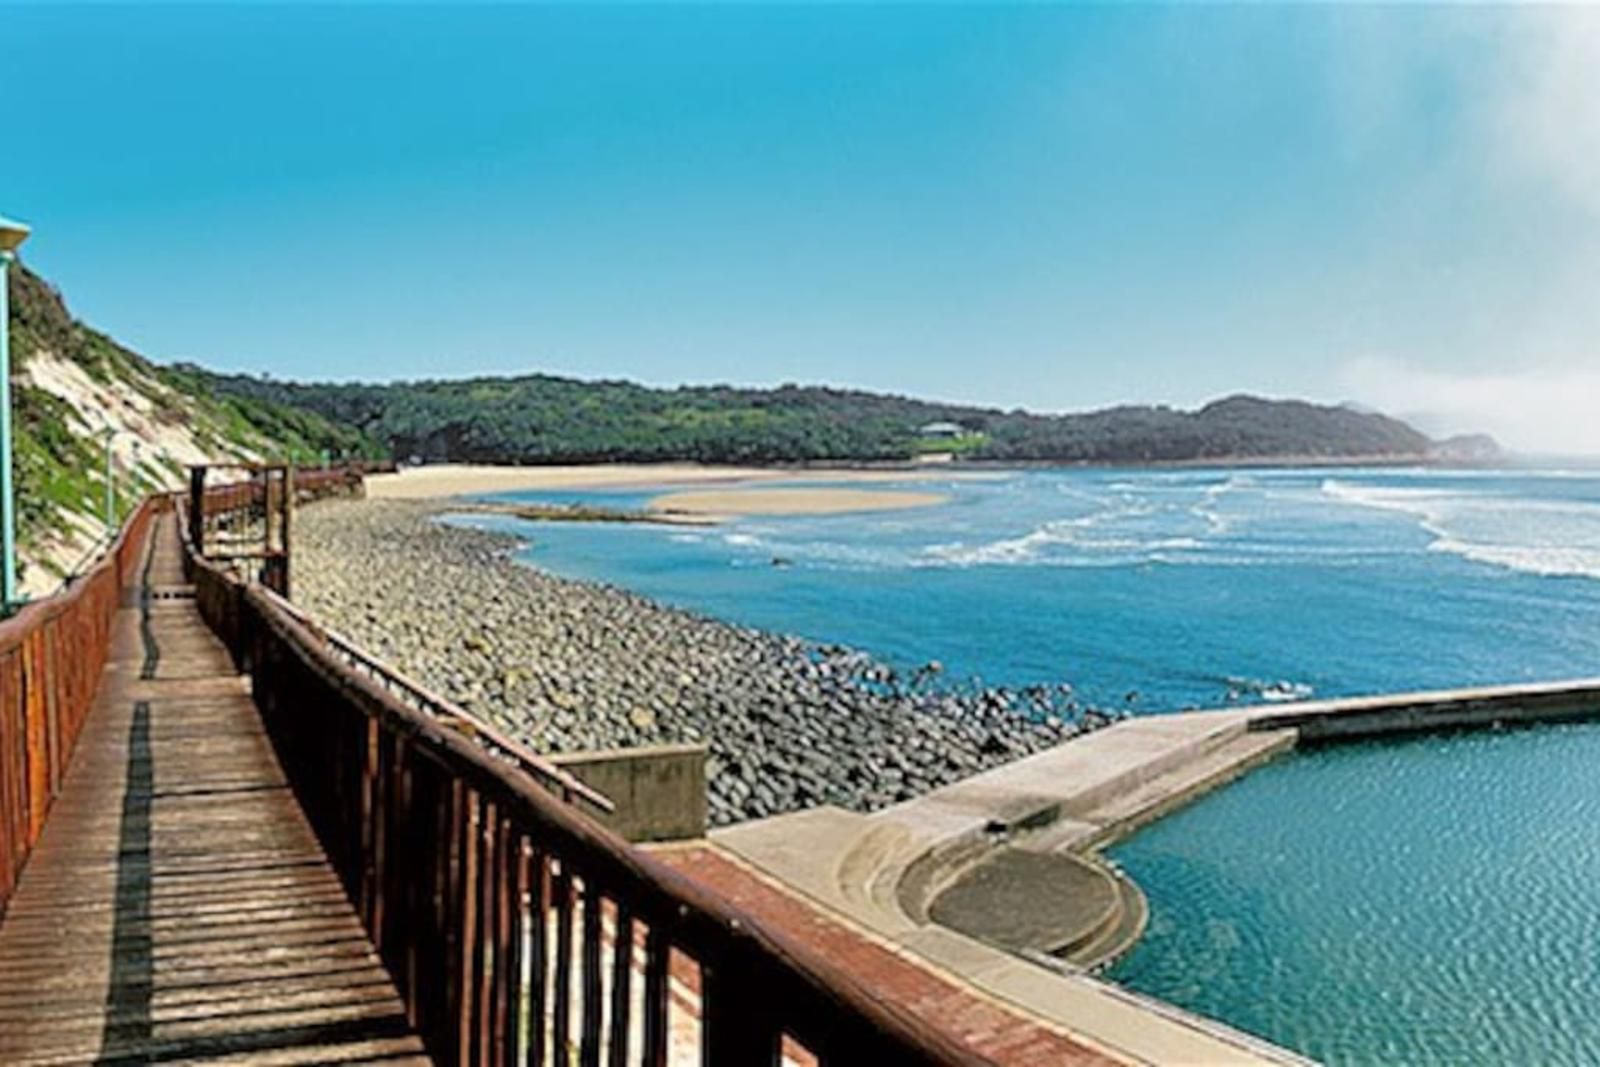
285,523
197,508
738,1027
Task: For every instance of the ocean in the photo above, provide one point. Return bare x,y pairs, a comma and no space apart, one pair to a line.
1156,590
1424,901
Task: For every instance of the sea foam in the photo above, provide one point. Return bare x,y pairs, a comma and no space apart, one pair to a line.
1550,538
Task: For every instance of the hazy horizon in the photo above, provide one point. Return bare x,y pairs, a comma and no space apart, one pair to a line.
1056,208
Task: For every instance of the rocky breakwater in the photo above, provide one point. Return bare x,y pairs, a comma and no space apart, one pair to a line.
574,665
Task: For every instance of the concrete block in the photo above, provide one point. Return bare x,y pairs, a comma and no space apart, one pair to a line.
659,790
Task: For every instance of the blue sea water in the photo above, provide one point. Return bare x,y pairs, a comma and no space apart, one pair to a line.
1180,588
1425,901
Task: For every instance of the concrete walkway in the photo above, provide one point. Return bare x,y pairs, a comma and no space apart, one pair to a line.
883,873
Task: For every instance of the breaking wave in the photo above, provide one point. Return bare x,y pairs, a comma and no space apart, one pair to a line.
1117,532
1034,548
1273,692
1549,538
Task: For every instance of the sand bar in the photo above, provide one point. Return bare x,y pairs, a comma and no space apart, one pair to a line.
454,479
810,501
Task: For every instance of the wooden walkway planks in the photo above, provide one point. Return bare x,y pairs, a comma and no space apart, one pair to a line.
178,907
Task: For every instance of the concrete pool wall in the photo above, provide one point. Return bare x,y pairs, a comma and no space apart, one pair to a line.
1046,817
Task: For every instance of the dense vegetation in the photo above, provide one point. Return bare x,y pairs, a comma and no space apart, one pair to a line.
544,419
59,458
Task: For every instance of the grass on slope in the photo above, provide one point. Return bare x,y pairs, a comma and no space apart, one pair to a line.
60,460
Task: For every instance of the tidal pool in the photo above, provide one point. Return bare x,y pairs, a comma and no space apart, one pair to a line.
1434,900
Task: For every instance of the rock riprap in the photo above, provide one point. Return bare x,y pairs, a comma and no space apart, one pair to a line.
571,665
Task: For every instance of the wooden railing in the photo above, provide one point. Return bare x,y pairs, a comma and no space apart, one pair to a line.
52,654
518,930
234,504
419,697
246,521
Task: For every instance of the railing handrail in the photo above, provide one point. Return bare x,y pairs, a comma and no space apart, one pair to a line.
36,612
52,655
695,916
86,562
565,782
442,708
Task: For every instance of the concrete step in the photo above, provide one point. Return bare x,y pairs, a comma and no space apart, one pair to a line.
1120,815
1116,937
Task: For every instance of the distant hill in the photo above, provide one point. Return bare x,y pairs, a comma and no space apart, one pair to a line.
1467,448
543,419
71,383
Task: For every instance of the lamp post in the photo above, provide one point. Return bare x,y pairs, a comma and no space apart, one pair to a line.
111,482
133,466
111,435
12,234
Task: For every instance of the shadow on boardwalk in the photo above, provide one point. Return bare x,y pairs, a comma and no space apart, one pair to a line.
178,906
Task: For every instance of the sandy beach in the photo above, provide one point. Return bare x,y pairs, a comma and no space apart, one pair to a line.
461,479
742,490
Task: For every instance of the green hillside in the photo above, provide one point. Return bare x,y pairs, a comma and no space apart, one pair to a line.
71,382
544,419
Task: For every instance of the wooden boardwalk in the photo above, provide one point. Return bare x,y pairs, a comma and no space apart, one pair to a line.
178,908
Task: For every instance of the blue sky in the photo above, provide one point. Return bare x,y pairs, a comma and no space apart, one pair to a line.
1055,207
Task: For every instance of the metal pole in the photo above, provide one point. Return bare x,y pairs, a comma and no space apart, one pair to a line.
111,484
133,466
8,502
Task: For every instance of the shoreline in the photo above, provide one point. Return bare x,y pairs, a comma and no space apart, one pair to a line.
699,494
571,513
702,508
573,666
466,479
451,480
